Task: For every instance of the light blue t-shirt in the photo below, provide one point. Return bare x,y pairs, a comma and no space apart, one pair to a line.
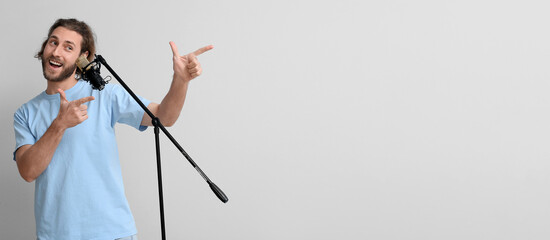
80,195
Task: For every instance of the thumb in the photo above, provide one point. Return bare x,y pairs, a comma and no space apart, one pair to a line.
62,95
174,49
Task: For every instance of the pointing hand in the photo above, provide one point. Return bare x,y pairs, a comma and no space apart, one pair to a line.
74,112
187,67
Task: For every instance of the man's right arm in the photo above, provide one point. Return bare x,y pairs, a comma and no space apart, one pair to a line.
32,160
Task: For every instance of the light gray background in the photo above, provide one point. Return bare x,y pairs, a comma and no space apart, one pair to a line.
320,119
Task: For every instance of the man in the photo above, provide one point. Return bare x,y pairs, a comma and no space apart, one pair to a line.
78,190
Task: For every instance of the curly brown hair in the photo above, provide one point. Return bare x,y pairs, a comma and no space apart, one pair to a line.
88,37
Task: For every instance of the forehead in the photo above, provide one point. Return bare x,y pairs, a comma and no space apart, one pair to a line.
65,35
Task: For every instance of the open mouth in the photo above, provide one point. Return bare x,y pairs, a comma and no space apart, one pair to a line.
55,64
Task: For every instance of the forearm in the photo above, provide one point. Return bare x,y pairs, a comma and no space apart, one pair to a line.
169,109
172,104
32,160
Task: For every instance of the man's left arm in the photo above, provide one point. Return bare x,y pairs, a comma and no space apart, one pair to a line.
186,68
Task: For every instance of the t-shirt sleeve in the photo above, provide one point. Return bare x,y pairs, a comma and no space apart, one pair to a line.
126,110
23,134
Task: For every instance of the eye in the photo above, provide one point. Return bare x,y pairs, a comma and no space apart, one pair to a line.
69,48
53,42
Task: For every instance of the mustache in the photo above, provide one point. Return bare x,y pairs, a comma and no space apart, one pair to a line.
56,60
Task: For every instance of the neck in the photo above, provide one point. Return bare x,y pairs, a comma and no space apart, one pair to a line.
64,85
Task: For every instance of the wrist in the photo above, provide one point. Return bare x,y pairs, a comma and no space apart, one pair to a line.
57,125
181,79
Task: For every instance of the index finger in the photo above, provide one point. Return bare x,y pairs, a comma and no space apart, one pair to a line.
174,49
203,50
83,100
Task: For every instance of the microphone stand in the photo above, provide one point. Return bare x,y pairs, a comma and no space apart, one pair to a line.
158,125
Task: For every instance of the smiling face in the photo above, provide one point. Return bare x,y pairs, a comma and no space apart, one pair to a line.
62,49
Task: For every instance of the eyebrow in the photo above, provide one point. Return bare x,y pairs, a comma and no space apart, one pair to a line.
66,41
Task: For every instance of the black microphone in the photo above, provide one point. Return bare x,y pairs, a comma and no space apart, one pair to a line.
90,72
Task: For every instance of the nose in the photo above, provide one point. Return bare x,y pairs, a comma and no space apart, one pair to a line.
56,51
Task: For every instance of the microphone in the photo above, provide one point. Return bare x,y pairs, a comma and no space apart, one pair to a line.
90,72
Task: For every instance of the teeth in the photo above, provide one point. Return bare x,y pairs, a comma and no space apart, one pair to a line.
55,63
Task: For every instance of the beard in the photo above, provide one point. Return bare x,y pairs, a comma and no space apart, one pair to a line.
64,74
